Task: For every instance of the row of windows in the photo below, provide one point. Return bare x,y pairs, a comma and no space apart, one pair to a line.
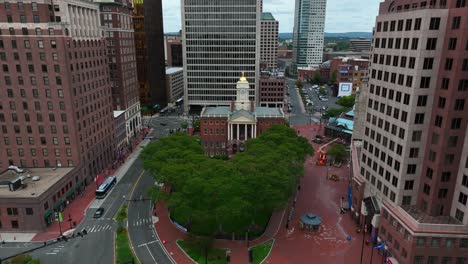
45,152
55,140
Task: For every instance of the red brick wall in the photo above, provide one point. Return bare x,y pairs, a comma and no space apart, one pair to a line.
213,133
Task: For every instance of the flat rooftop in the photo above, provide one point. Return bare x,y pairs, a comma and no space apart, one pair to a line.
267,16
31,189
424,218
171,70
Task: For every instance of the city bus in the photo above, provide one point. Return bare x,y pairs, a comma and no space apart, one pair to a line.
105,187
179,101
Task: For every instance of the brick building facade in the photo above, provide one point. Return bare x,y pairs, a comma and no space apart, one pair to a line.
224,129
116,18
56,106
413,162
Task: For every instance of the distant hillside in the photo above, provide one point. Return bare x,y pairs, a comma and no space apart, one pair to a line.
334,35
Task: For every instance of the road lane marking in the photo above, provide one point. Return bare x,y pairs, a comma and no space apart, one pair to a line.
151,254
148,243
51,253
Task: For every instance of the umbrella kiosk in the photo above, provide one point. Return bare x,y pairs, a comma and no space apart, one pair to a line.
310,222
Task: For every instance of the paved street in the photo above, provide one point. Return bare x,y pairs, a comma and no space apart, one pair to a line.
97,246
145,240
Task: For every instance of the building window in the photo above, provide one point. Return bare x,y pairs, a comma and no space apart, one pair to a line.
452,44
12,211
464,243
29,211
435,23
431,43
462,198
456,22
459,215
14,224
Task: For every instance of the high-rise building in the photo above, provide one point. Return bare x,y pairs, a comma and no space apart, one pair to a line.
116,18
173,47
220,39
309,26
269,42
149,44
412,169
272,89
56,113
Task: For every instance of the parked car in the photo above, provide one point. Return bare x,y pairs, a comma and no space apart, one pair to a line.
318,139
99,212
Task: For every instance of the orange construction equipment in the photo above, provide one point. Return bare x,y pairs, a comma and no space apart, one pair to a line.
322,158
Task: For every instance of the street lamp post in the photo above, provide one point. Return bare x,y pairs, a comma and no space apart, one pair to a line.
363,237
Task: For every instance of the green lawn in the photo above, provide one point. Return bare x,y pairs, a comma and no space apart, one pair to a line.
260,252
215,255
124,253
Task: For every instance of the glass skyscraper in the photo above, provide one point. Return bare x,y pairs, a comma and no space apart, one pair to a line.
309,26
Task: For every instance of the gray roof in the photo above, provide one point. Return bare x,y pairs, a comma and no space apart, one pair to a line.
268,112
225,111
267,16
219,111
243,113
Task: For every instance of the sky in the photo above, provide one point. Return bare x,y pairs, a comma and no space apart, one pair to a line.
342,15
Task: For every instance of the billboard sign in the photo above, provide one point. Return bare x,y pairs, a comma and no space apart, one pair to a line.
345,89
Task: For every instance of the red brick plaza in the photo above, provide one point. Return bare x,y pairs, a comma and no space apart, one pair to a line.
317,195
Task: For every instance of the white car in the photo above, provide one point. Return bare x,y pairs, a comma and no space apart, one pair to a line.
324,99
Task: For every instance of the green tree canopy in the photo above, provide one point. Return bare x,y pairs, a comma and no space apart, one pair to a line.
299,84
333,77
213,196
338,152
334,112
317,79
347,101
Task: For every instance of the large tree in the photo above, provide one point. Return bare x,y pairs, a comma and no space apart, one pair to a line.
212,196
338,152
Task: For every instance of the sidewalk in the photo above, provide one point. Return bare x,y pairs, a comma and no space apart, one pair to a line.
168,232
76,210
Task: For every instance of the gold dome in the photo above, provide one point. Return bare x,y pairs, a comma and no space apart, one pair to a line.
243,79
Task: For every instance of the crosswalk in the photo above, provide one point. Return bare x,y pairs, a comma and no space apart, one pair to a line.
55,250
98,228
142,221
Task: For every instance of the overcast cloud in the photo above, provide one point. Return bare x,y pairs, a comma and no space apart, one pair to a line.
342,15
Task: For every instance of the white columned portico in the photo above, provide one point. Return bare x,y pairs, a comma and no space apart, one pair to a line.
238,129
229,132
255,131
245,128
251,131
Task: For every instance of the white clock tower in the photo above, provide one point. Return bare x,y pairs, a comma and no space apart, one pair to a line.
242,98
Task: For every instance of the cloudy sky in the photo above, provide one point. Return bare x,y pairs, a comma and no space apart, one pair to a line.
342,15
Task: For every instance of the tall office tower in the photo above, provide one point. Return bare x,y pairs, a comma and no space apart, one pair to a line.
173,47
269,42
413,164
220,38
309,26
149,43
116,18
55,107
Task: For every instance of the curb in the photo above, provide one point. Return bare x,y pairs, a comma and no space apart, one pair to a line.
269,252
184,251
155,232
